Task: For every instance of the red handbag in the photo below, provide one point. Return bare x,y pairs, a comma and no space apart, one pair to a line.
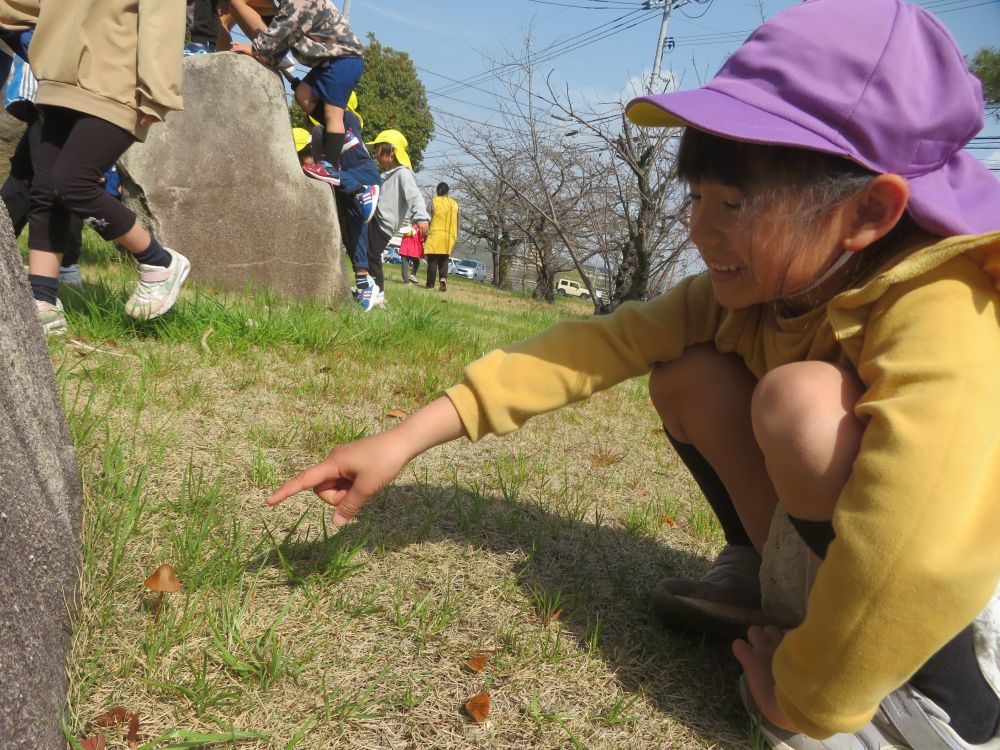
412,246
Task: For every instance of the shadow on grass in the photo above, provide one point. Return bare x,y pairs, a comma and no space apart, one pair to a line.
597,573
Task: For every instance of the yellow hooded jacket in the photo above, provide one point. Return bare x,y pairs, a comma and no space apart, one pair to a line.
443,230
915,557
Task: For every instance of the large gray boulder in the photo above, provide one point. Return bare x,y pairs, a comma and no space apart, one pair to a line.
40,516
221,183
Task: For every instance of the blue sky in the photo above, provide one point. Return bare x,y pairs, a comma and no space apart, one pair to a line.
598,48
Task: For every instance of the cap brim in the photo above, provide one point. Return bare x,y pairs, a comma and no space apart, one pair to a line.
721,114
401,156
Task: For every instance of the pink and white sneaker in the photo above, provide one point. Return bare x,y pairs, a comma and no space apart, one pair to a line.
158,287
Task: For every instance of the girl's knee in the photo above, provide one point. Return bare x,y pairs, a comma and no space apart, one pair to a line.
668,379
74,189
701,372
804,403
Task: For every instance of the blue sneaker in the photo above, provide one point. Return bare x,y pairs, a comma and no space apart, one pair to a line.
323,171
367,201
370,296
198,48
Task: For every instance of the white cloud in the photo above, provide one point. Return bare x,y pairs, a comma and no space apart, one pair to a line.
415,21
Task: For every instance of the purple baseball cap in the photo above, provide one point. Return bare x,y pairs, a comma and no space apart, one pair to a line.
880,82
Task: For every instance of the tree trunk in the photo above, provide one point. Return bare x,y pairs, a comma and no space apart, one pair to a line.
503,259
545,283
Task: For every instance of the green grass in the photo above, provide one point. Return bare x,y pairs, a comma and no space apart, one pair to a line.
537,549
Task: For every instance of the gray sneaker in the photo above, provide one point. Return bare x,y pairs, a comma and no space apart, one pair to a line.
158,287
905,720
725,601
51,317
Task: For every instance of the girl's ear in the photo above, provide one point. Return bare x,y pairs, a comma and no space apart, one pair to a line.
875,211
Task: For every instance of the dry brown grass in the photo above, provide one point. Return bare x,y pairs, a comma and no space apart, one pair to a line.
469,552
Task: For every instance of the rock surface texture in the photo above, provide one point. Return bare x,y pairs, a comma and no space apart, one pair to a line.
221,183
40,516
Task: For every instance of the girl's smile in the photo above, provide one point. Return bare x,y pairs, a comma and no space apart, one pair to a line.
750,255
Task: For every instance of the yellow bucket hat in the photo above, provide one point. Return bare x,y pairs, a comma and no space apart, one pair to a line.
302,138
398,141
352,106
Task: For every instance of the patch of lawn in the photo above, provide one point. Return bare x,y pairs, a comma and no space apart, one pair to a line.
535,551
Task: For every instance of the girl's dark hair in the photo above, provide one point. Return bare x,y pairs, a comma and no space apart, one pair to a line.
760,168
808,185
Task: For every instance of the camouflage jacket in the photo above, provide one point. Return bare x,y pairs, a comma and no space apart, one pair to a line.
313,30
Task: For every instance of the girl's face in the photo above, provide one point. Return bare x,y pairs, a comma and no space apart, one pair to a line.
750,256
383,157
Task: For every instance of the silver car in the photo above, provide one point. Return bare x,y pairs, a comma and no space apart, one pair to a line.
470,269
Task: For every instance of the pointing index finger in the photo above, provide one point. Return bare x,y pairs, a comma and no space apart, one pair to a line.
303,481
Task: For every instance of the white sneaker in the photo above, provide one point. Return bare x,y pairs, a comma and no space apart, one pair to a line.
905,720
51,317
158,287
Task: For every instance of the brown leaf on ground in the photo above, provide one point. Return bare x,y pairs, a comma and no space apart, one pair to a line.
477,662
93,742
555,615
478,707
112,718
133,731
602,458
397,413
668,520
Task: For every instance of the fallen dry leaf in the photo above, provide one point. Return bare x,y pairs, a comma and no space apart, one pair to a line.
602,458
111,718
478,707
397,413
555,615
93,742
668,520
133,731
477,662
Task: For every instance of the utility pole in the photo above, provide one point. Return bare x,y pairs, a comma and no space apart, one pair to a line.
347,11
664,24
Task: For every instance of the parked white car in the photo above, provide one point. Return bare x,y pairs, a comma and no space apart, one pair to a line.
570,288
470,269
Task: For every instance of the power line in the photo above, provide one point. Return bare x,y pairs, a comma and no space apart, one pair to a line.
595,33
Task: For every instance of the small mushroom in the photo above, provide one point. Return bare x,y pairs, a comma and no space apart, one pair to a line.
165,581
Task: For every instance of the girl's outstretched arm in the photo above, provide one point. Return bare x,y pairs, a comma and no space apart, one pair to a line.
354,472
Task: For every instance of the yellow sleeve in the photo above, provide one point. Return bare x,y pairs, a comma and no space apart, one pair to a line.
159,56
915,557
572,360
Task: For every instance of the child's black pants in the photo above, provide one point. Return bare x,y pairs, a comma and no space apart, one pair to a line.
76,150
